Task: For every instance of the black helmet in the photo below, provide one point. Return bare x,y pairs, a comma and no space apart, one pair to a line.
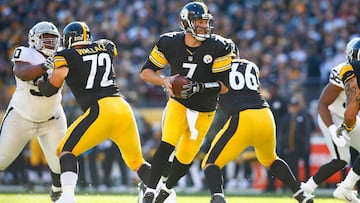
76,33
196,11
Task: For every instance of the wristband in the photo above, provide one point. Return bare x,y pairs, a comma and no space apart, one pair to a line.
213,87
347,128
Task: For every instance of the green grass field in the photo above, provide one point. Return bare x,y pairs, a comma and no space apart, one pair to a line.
103,198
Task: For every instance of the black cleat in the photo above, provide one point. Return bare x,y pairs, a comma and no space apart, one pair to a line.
301,197
161,197
217,199
55,195
148,197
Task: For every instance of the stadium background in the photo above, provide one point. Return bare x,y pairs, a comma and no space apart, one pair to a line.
295,43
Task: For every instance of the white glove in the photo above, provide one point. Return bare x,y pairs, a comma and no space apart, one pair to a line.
48,64
338,136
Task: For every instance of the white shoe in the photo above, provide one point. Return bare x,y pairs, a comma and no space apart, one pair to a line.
346,194
307,190
66,198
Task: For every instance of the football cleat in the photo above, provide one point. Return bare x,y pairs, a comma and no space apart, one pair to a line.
161,197
66,198
346,194
302,197
55,195
141,189
217,199
148,197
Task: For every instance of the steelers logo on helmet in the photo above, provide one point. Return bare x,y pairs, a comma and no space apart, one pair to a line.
207,59
192,12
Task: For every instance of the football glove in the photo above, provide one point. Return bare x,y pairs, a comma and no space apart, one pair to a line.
190,89
339,135
48,64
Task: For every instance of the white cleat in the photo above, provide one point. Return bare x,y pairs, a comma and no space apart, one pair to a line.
66,198
346,194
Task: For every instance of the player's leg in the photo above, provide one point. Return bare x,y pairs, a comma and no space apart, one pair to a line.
265,149
54,130
84,133
15,133
340,157
225,147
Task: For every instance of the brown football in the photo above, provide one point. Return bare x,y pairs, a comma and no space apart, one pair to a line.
177,84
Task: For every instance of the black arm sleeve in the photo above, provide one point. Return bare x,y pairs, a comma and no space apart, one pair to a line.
47,89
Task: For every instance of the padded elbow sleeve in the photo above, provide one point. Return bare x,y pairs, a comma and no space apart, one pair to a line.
47,89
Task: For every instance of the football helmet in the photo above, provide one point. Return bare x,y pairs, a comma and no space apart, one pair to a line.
76,33
353,49
196,11
45,44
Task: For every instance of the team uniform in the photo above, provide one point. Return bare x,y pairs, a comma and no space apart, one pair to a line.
186,121
337,109
31,114
106,114
244,105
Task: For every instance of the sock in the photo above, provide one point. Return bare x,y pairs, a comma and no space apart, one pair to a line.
282,171
311,184
214,179
178,170
350,179
68,182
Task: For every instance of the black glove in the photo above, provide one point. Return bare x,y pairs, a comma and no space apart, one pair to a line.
48,64
191,89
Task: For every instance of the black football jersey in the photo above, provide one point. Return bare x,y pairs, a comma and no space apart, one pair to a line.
91,74
244,88
209,62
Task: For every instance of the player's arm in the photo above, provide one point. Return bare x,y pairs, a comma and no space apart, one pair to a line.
26,72
353,103
57,78
327,97
149,75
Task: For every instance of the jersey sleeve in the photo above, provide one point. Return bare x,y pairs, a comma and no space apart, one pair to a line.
334,76
22,54
157,60
60,60
346,73
222,62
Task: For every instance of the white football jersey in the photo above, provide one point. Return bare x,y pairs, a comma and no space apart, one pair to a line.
338,106
27,100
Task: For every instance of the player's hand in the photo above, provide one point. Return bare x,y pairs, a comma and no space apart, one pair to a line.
339,135
48,64
191,89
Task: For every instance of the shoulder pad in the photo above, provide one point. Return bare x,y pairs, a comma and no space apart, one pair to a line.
110,45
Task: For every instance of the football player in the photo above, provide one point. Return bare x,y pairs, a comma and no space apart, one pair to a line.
242,106
203,57
347,132
331,110
87,68
30,113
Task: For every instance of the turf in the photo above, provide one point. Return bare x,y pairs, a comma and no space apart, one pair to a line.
86,198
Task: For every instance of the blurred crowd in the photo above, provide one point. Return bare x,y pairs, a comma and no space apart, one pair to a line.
294,43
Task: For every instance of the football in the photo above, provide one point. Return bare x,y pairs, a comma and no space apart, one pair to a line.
177,84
